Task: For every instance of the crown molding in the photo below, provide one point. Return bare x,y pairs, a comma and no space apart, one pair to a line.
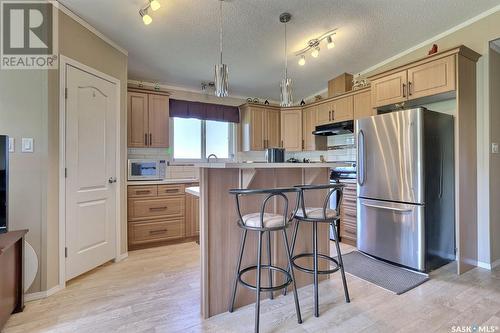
87,25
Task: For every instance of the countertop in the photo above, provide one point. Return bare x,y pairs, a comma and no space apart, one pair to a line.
163,181
258,165
195,190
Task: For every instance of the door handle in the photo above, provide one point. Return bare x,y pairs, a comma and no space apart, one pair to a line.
402,210
361,158
112,180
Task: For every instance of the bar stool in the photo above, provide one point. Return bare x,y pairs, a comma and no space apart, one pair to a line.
315,216
262,223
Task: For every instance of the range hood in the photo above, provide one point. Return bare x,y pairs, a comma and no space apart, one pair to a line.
344,127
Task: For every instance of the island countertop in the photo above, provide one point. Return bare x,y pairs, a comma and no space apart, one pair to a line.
265,165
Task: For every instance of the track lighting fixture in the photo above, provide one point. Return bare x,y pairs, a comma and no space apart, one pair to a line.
314,46
154,5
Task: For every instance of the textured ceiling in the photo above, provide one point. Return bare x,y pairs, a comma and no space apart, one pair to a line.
180,47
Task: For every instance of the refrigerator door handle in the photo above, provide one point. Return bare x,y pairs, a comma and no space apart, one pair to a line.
402,210
361,158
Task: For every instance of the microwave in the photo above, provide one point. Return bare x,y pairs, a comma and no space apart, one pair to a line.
147,169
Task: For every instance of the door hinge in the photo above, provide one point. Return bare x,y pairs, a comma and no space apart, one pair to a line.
65,252
65,93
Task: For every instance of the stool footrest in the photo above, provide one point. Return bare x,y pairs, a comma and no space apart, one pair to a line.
311,271
265,267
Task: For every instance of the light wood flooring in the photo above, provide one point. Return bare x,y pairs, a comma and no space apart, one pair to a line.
158,290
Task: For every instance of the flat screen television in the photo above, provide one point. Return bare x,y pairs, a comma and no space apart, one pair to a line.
4,183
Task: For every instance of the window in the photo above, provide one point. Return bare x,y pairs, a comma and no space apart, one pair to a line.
196,139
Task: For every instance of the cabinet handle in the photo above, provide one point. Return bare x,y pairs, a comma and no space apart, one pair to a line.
329,115
333,115
281,143
409,88
150,139
143,192
171,191
160,231
404,90
303,144
157,208
145,139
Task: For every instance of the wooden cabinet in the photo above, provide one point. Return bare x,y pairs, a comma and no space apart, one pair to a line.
309,123
389,89
291,129
259,127
348,218
148,120
161,213
362,105
324,115
192,215
426,79
432,78
342,109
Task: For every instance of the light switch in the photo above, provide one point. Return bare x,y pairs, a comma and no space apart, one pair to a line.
27,145
11,145
494,148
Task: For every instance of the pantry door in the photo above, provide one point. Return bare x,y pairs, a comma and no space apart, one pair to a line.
91,173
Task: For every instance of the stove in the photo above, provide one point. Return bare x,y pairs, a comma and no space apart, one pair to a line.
343,172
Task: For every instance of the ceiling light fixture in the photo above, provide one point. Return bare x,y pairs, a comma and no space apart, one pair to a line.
302,60
286,83
221,70
154,5
314,46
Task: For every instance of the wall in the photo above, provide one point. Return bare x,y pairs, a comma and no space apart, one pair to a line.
80,44
494,69
23,113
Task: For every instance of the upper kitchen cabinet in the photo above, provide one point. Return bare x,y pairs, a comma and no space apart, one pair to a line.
148,119
342,109
291,129
362,105
309,123
432,78
389,89
424,78
260,127
324,113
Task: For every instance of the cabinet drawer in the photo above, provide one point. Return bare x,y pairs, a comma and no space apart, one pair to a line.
144,232
171,189
142,191
140,209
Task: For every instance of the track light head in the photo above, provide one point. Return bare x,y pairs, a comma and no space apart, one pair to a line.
154,4
315,52
302,60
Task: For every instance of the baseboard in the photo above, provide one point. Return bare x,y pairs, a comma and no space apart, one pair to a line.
121,257
484,265
42,294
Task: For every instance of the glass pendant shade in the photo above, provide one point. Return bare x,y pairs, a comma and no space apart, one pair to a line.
221,80
286,92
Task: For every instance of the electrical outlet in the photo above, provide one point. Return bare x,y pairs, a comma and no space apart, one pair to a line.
494,148
11,145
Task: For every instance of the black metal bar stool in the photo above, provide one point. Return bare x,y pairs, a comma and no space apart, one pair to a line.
315,216
263,222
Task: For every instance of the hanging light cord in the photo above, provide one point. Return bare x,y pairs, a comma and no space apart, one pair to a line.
220,25
286,56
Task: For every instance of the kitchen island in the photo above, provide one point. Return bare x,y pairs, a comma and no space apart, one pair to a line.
220,234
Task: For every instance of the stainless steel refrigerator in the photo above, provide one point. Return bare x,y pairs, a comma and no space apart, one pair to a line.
406,212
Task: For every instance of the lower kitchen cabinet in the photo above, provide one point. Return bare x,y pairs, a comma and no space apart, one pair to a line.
160,214
192,215
348,215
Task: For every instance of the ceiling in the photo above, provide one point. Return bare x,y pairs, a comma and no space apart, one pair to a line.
180,47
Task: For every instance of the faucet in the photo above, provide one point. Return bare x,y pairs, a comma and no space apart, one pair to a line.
212,155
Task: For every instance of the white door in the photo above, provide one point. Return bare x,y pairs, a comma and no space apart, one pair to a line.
91,106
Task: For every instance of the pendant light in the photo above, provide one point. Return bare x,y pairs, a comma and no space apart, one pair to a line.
286,83
221,70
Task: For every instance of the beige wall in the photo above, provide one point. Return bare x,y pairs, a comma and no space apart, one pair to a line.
23,113
475,36
80,44
494,66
